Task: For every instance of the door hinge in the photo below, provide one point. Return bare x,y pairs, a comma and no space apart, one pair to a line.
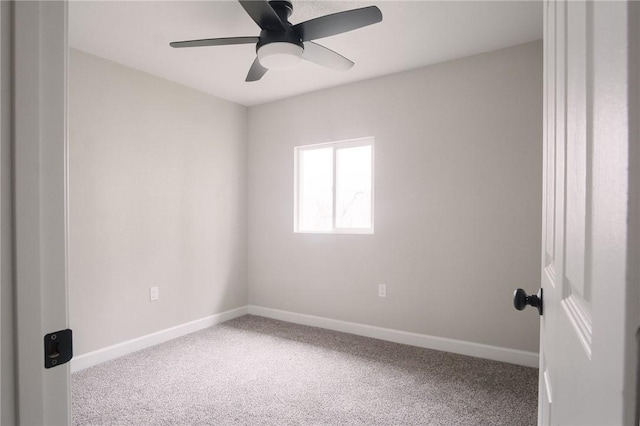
58,348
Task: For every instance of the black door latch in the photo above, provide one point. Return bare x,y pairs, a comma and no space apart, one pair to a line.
58,348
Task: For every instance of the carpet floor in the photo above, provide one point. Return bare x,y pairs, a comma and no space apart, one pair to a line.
259,371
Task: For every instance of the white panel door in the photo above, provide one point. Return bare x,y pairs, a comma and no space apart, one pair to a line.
40,93
585,204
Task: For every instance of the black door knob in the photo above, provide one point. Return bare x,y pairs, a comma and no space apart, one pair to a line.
521,300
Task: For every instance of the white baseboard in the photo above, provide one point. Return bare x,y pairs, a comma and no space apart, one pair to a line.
106,354
513,356
478,350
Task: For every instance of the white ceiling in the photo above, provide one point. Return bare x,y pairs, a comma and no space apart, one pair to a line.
412,34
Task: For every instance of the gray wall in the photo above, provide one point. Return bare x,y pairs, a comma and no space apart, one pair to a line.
157,197
458,158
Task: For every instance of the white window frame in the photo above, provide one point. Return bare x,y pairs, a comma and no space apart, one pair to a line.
336,145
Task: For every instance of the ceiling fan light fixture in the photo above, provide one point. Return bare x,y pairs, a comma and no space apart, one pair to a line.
279,55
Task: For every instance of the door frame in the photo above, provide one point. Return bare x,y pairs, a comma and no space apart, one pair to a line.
4,103
40,205
632,351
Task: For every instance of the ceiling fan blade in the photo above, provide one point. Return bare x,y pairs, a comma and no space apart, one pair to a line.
337,23
256,71
263,14
321,55
215,41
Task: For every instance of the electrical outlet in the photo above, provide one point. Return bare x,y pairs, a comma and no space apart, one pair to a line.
382,290
153,294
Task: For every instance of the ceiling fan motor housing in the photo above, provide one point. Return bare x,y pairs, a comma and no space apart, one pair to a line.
283,9
268,37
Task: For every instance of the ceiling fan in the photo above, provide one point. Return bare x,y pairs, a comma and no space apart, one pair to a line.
281,45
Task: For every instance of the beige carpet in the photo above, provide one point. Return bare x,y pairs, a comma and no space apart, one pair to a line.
258,371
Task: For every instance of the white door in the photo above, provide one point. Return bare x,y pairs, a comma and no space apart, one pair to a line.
586,326
40,53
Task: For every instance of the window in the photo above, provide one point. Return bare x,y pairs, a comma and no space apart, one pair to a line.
334,187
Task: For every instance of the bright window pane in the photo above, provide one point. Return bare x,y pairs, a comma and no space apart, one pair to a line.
353,187
316,195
